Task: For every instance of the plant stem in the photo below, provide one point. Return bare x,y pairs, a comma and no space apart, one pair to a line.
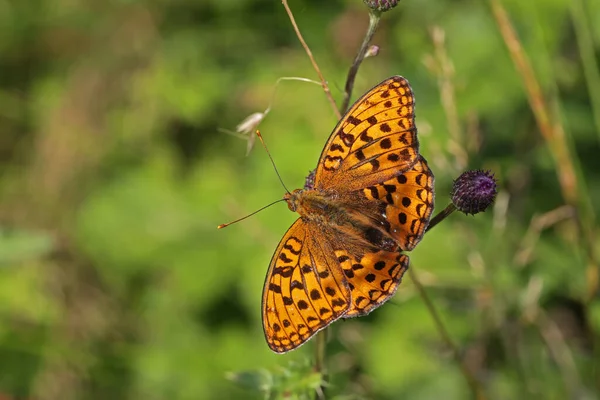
320,346
441,216
471,381
374,18
551,130
553,133
312,59
585,42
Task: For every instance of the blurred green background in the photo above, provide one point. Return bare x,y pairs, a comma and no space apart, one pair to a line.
116,284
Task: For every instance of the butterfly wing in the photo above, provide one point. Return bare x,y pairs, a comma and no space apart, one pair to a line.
401,207
404,204
375,141
373,278
305,289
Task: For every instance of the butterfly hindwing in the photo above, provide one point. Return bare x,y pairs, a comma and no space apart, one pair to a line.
374,141
406,203
305,289
373,278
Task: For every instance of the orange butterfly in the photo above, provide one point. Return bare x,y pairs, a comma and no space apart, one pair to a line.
372,199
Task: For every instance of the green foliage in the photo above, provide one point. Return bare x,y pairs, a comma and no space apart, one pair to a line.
296,381
115,282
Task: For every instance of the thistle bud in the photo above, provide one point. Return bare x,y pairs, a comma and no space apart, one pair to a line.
474,191
381,5
309,183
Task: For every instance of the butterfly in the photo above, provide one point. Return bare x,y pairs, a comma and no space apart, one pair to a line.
370,199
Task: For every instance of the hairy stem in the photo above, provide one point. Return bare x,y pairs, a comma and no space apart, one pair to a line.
312,59
441,216
320,367
374,18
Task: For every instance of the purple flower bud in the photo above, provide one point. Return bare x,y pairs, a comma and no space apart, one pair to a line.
309,183
474,191
381,5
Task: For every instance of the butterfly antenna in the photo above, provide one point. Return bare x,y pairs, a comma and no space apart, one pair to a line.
249,215
271,158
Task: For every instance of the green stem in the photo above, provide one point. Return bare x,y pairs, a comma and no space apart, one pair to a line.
441,216
585,223
320,345
374,18
585,43
476,388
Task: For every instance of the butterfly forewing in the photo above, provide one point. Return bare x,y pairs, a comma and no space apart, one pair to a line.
406,203
305,289
374,141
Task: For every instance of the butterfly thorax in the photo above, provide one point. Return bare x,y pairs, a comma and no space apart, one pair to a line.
343,217
315,205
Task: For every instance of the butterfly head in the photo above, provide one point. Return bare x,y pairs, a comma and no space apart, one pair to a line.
293,199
